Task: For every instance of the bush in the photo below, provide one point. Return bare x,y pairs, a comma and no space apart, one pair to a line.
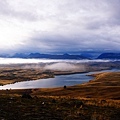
65,86
26,95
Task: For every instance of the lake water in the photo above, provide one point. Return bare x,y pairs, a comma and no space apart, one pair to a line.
58,81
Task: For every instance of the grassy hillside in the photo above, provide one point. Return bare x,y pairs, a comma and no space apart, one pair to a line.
98,99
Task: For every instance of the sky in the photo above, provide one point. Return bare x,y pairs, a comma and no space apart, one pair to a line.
59,26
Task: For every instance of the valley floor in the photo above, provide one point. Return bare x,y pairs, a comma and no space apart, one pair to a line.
98,99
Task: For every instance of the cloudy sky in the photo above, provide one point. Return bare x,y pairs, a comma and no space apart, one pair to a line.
59,26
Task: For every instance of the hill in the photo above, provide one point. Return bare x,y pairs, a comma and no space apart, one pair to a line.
109,56
49,56
96,100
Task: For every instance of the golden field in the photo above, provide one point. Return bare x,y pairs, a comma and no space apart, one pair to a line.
98,99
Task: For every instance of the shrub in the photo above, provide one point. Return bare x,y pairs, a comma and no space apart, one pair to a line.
65,86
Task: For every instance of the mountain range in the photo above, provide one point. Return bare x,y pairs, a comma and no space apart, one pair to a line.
48,56
62,56
109,56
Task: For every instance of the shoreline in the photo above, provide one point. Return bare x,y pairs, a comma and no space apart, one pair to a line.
102,86
7,82
27,72
87,83
52,75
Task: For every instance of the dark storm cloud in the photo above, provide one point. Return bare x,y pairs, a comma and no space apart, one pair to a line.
58,43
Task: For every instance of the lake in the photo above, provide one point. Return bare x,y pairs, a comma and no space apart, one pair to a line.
58,81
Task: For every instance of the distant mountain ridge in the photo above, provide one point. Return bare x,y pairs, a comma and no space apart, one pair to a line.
62,56
48,56
109,56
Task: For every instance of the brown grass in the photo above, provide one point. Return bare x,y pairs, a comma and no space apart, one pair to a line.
12,75
100,98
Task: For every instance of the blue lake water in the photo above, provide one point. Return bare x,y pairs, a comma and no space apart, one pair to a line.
58,81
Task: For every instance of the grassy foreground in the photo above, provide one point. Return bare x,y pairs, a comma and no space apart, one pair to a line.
98,99
53,108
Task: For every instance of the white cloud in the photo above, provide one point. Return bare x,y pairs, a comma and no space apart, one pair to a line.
56,26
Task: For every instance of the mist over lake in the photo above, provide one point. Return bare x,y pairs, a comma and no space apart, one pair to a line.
24,61
42,71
